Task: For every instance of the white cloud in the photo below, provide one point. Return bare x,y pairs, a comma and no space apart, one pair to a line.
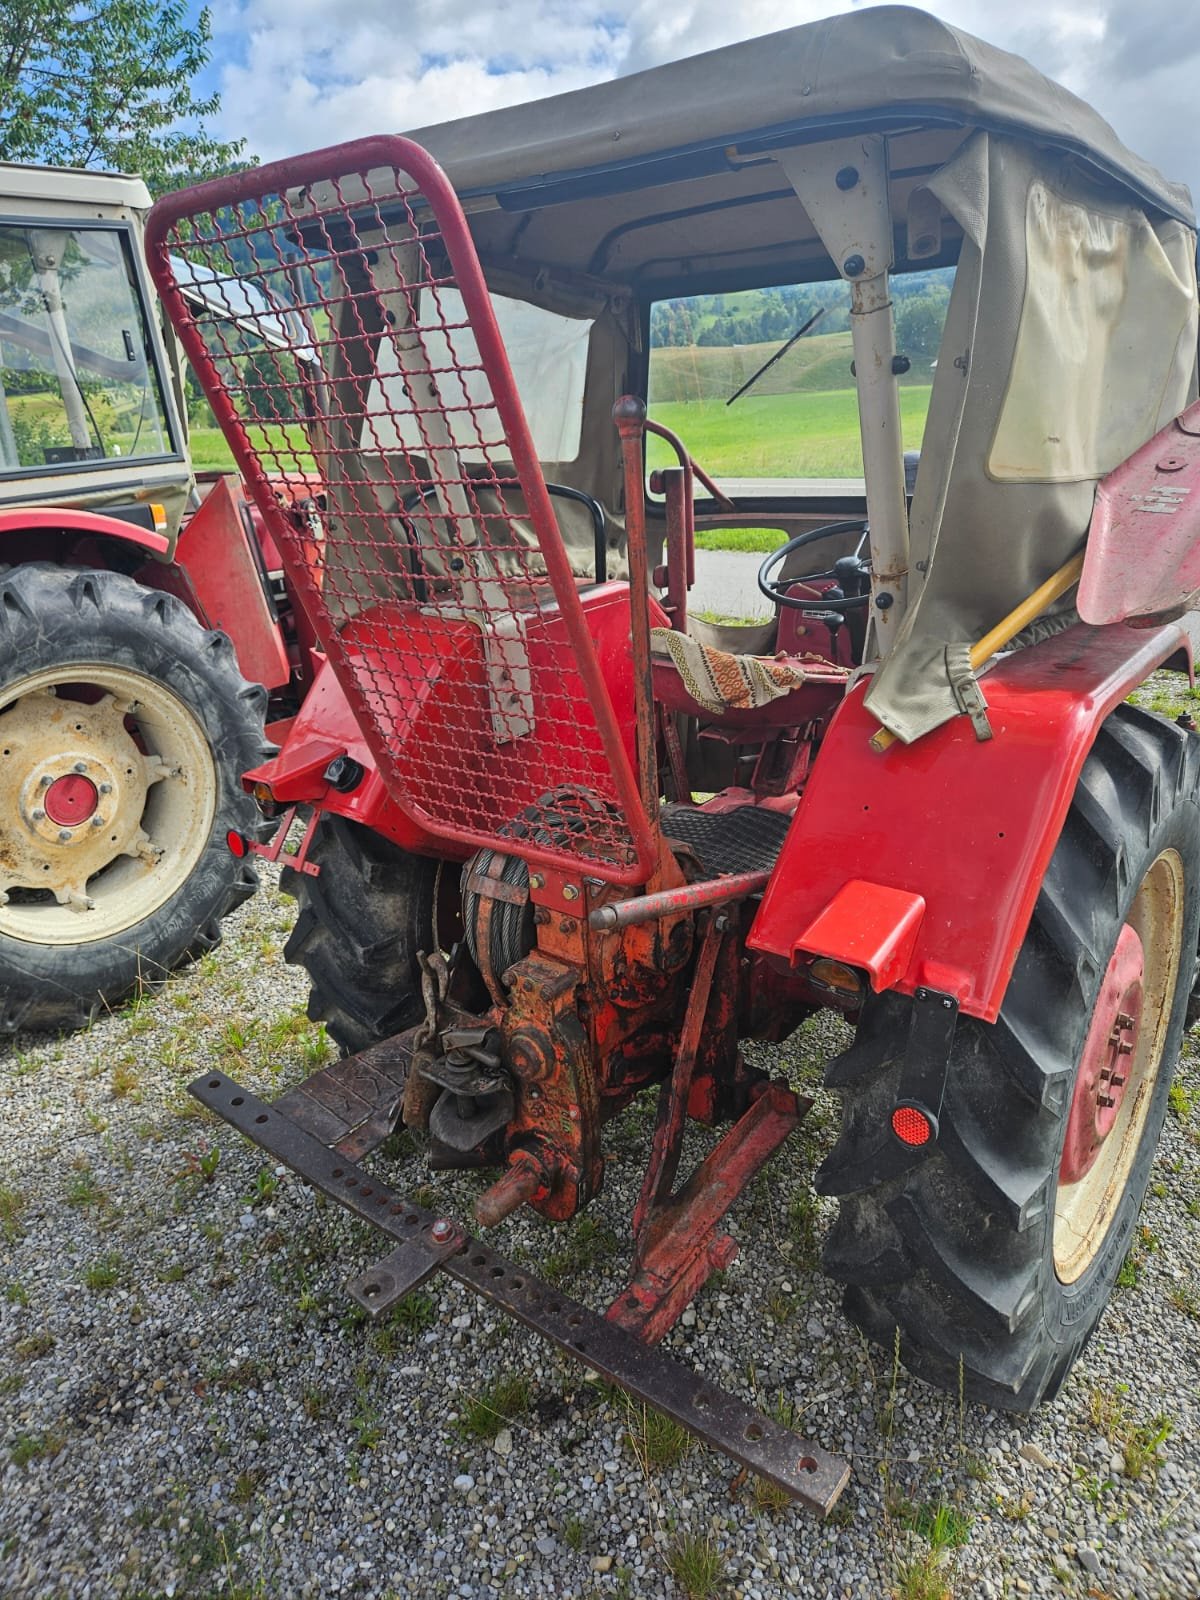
303,73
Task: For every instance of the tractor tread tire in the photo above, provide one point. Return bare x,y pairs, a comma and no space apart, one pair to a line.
51,615
953,1249
359,925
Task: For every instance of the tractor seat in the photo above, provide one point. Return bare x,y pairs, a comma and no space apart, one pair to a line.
735,690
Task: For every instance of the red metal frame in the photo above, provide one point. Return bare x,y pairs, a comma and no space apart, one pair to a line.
214,550
1143,548
966,827
476,788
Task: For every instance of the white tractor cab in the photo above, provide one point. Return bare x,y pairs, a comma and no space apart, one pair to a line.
125,718
936,813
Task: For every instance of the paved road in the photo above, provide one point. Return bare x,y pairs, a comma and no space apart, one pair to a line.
726,583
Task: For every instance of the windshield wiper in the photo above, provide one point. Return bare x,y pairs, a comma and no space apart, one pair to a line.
779,354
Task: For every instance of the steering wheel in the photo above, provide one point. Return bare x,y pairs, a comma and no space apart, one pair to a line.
846,571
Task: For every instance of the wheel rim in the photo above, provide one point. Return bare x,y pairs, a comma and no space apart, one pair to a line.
1118,1068
108,792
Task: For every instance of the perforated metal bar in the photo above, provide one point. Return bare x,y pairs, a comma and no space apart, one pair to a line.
801,1468
381,433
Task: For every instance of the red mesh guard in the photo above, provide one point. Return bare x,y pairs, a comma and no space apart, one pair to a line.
383,395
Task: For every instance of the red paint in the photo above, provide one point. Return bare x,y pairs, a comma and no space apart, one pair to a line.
25,520
867,925
969,827
1143,549
70,800
463,791
1103,1075
214,551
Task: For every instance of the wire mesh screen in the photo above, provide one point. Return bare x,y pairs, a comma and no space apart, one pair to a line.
335,312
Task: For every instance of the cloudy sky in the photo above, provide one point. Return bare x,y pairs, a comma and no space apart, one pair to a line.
295,74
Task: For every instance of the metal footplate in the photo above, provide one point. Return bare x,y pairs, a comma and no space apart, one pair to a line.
427,1243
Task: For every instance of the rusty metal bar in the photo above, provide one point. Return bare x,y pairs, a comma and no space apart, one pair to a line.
802,1469
691,897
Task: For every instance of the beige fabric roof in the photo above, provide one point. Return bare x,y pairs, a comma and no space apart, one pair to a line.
894,60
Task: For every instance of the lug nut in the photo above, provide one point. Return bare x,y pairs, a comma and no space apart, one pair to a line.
45,781
39,816
1124,1020
97,821
106,788
81,766
1106,1101
64,835
1116,1083
1125,1048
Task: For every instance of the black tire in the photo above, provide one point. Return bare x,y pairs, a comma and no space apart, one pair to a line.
56,620
360,924
956,1248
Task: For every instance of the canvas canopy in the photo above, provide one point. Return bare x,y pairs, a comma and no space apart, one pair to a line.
1071,332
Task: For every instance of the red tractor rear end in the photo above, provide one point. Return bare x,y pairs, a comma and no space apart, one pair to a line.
564,850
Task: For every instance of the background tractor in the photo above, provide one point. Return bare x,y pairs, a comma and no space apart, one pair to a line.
145,627
571,843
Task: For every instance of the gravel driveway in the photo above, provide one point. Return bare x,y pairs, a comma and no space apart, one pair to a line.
187,1406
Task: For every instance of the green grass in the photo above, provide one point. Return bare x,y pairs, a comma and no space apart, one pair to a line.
713,372
484,1415
210,451
808,435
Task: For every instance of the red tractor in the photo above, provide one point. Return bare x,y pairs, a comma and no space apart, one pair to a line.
145,627
570,844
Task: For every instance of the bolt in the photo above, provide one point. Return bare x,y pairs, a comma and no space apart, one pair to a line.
442,1231
106,788
1124,1020
1125,1048
570,892
721,922
46,780
64,835
81,766
536,881
854,266
39,816
846,178
97,821
1106,1101
1116,1082
884,600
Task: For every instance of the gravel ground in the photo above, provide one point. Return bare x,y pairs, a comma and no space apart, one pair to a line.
189,1408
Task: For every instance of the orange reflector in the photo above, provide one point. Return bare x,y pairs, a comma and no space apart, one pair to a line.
237,842
911,1126
836,975
159,514
262,793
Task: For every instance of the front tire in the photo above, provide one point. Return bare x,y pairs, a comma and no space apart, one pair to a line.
125,727
995,1254
359,926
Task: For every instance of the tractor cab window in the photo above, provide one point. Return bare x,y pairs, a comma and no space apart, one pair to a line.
759,386
78,379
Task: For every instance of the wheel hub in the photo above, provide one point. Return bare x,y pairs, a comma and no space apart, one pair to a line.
1104,1067
75,780
71,799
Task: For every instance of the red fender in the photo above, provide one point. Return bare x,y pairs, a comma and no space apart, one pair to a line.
922,864
88,524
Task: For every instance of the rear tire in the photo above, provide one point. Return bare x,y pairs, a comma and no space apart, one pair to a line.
360,924
994,1263
117,690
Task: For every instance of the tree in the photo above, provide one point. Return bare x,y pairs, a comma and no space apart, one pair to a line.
108,84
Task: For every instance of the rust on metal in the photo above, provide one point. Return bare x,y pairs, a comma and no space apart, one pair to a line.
802,1469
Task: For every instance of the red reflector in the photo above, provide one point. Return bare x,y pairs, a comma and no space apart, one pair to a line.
911,1126
237,842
